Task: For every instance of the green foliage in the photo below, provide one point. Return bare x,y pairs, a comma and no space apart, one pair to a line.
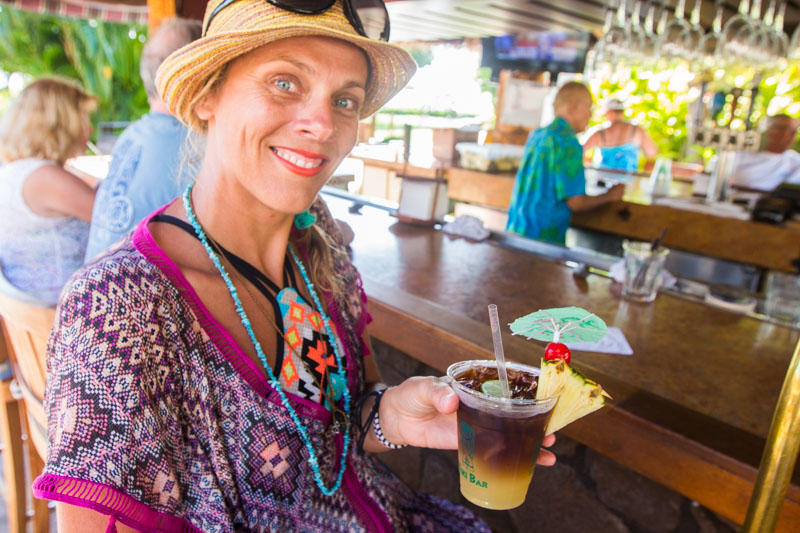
654,103
103,56
660,100
425,112
421,52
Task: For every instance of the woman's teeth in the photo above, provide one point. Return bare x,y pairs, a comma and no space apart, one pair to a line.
297,160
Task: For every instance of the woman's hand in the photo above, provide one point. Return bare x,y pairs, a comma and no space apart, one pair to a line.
421,412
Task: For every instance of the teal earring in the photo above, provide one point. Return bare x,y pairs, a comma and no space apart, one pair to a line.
304,220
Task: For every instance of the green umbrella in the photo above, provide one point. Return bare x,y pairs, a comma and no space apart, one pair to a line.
561,324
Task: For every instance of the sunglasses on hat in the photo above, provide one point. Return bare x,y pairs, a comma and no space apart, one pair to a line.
368,17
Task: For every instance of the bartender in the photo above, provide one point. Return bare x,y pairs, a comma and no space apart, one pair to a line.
550,183
775,163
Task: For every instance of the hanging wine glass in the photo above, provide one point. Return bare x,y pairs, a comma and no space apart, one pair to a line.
708,45
760,49
693,36
778,41
794,45
670,41
635,33
734,45
615,40
598,61
649,38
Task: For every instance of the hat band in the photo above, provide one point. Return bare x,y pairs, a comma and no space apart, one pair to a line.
368,17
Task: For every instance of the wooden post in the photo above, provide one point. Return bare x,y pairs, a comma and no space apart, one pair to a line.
158,10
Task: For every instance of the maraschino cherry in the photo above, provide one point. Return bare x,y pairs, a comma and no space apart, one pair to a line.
555,351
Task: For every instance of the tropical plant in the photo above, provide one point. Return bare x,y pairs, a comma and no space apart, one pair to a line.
103,56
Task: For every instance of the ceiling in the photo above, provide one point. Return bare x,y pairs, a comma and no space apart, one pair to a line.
428,20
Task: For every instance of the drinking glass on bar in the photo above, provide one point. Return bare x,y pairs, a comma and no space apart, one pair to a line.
643,268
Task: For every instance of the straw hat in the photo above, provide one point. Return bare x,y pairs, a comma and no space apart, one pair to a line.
245,25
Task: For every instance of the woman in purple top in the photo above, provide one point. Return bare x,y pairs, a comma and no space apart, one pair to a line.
209,372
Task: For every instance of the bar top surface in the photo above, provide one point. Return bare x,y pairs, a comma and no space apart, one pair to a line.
725,367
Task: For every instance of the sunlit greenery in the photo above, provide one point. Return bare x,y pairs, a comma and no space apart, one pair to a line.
660,101
103,56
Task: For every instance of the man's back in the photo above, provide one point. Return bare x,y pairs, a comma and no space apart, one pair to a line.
551,171
766,170
143,176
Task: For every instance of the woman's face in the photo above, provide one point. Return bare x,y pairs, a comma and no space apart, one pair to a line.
283,118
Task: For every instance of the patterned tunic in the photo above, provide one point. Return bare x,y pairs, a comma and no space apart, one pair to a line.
158,418
550,172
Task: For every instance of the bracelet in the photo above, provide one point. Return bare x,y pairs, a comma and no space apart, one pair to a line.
372,420
376,424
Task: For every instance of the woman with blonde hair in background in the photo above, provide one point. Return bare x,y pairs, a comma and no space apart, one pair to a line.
212,372
46,209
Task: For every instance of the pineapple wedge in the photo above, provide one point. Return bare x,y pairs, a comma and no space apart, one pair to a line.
579,395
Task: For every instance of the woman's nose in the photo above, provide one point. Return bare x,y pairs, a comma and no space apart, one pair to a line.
316,117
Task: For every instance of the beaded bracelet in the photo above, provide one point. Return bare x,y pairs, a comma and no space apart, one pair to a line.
373,420
376,424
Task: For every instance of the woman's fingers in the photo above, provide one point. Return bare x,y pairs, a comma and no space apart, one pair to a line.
443,397
546,458
549,440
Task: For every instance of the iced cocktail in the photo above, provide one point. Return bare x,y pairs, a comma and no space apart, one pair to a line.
498,438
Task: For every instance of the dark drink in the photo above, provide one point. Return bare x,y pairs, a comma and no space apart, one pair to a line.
499,438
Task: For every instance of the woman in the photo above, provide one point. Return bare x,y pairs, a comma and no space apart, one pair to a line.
620,142
209,374
46,209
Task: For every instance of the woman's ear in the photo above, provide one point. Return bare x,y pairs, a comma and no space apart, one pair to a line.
203,110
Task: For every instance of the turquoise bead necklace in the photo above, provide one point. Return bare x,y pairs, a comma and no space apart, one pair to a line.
273,381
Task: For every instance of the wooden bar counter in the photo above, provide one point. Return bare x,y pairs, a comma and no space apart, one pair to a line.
741,241
692,405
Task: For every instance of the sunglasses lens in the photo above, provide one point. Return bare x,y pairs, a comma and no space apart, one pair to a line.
373,17
304,6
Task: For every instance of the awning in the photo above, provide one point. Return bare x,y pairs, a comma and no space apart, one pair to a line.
108,12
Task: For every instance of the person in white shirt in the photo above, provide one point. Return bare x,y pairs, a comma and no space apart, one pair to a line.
776,163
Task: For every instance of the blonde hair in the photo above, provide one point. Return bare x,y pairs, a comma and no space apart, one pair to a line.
45,121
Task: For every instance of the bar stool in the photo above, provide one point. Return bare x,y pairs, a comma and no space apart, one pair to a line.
11,429
27,327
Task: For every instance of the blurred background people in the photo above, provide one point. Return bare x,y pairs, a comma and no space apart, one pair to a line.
146,165
45,209
620,143
550,183
775,163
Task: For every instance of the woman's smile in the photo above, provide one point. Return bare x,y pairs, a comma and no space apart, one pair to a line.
300,161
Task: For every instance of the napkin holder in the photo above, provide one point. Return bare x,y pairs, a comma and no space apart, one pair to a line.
422,200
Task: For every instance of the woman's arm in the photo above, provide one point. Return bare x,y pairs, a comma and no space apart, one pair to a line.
51,191
73,519
592,142
649,148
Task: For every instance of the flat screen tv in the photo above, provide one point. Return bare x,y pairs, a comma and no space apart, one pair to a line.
551,51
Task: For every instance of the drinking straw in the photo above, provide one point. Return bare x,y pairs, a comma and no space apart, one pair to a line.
494,322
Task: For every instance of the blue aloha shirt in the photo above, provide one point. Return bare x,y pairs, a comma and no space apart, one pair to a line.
550,172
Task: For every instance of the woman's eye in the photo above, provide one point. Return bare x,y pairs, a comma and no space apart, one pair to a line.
286,85
346,103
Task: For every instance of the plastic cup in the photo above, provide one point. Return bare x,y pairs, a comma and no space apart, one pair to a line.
498,440
783,297
643,268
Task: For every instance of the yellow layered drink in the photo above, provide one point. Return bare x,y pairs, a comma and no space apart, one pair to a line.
499,438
